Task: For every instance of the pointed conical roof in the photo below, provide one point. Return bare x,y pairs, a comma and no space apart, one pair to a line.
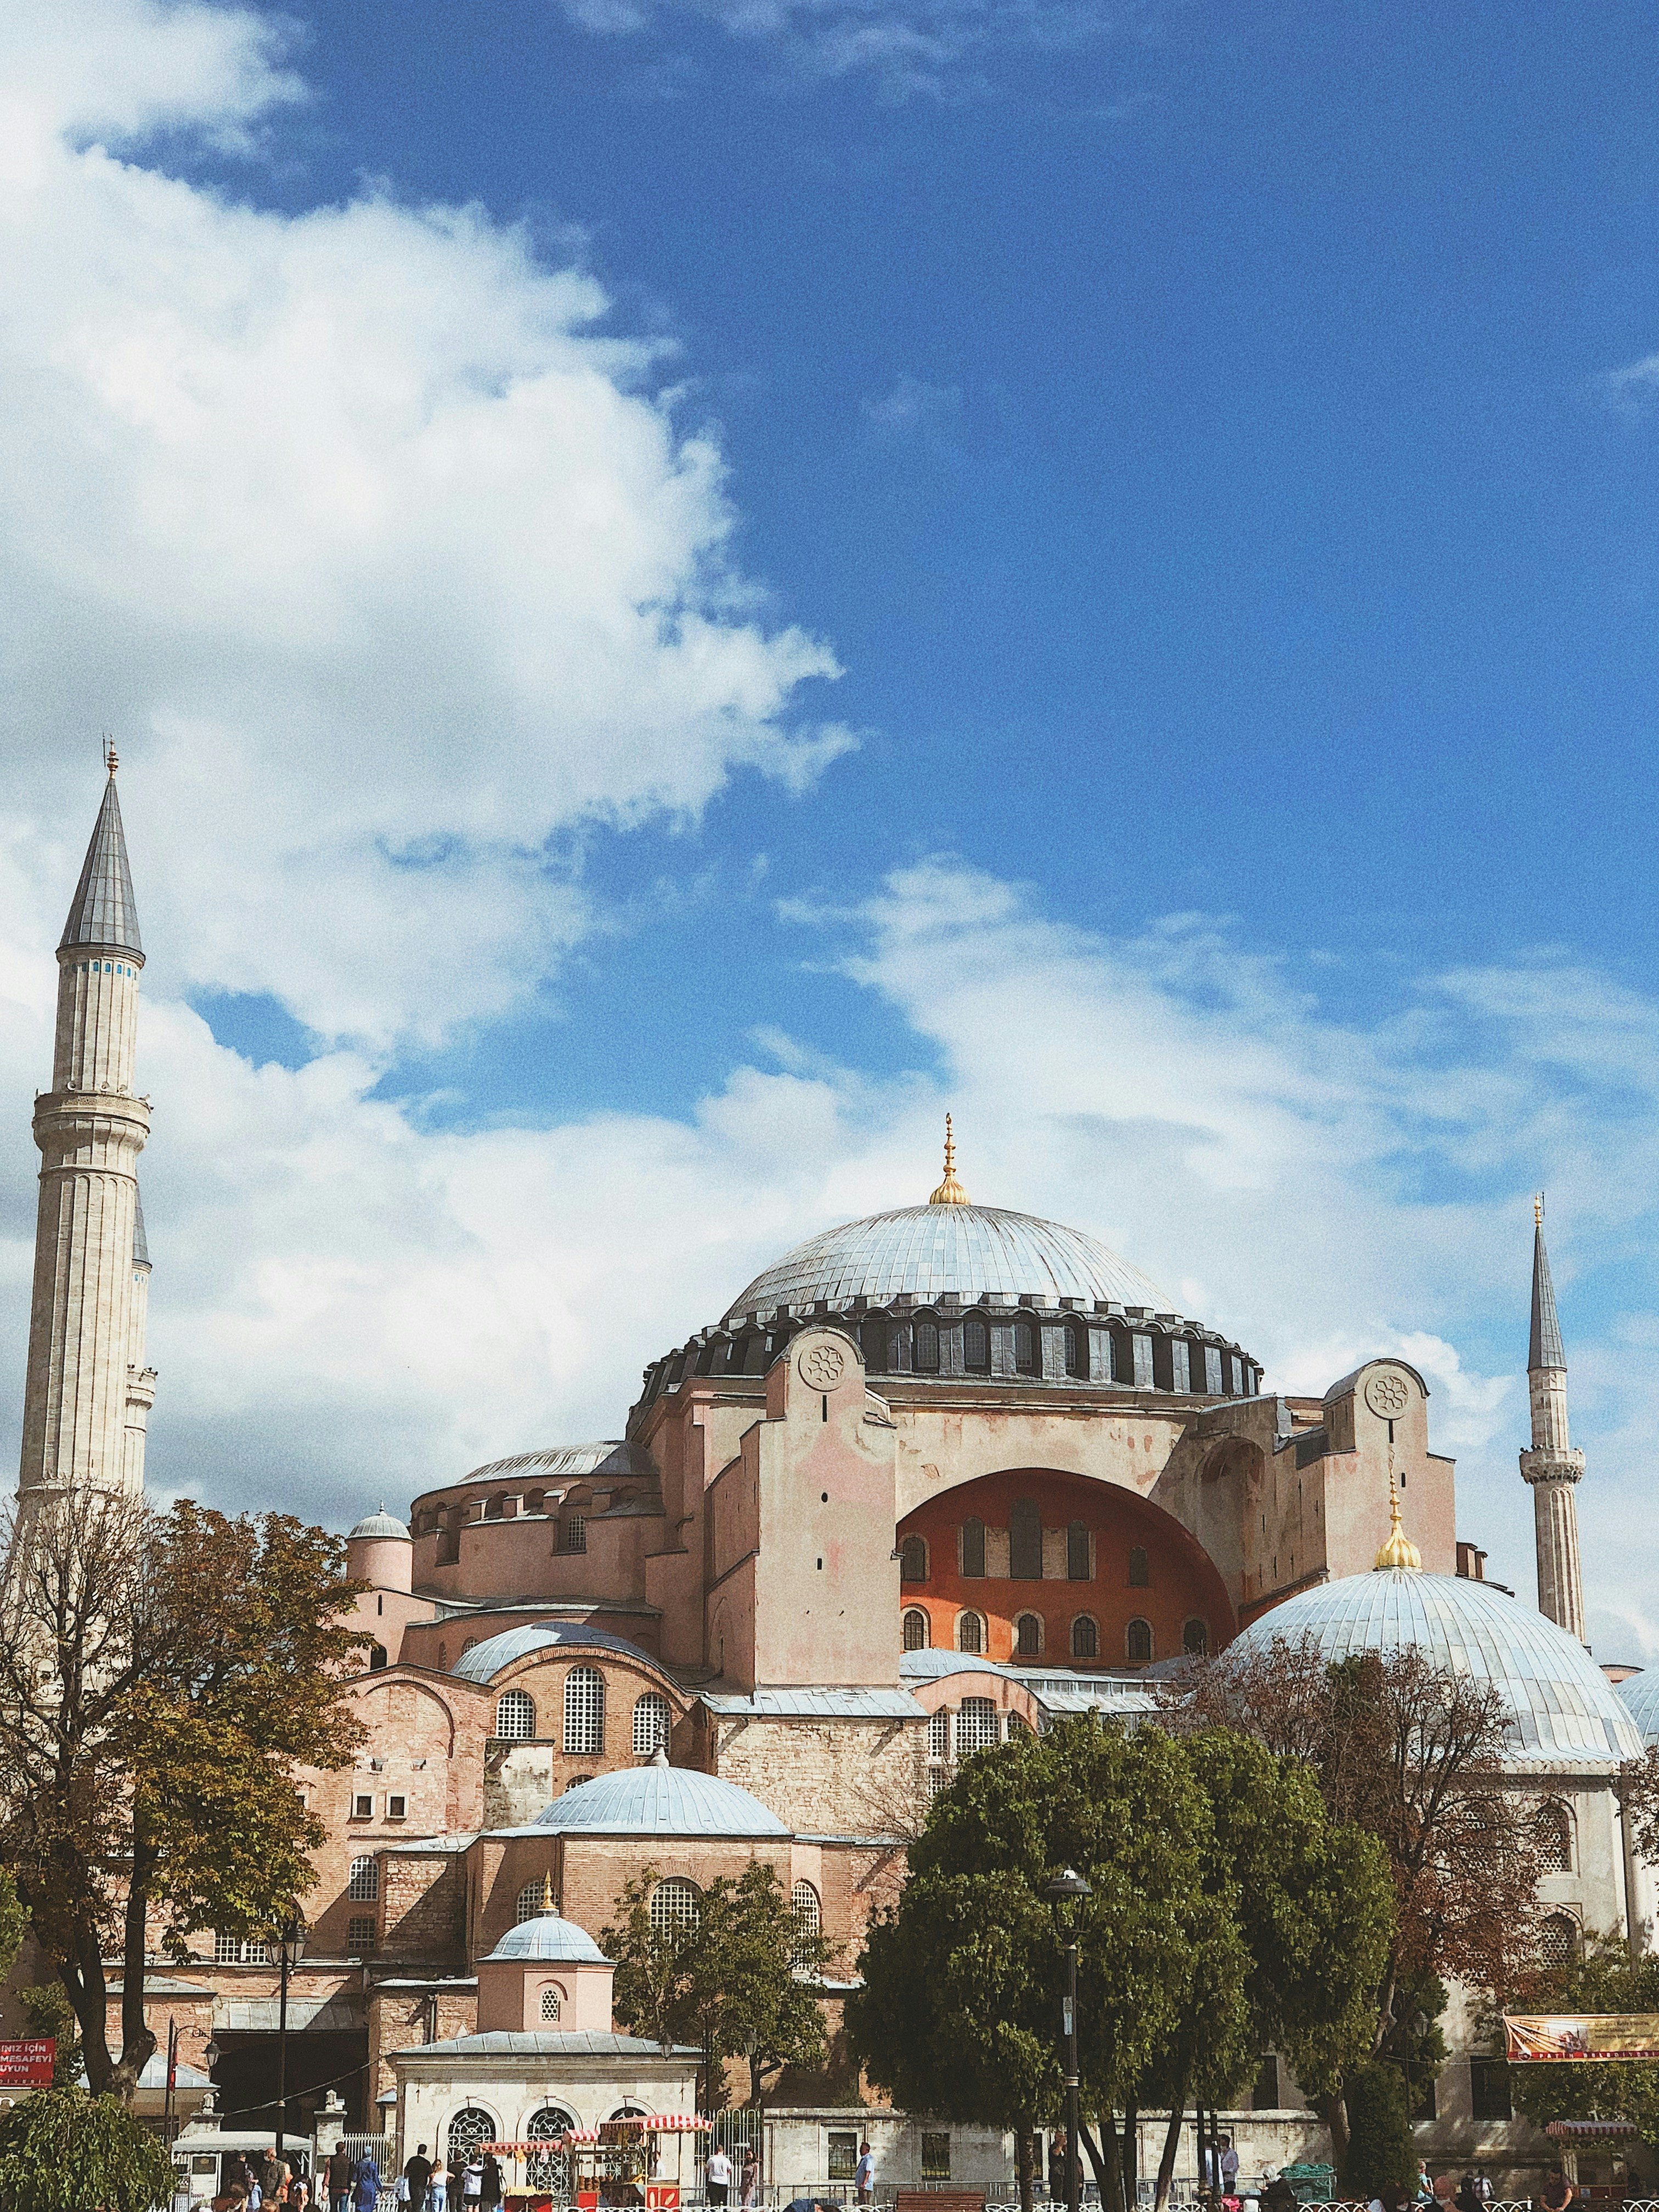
102,913
1544,1350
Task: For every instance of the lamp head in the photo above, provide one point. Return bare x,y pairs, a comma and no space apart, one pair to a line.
1068,1885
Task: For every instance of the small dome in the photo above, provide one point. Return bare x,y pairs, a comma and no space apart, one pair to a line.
378,1524
548,1936
1639,1693
660,1800
1564,1707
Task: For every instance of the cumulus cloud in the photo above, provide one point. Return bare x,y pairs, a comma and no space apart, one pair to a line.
378,548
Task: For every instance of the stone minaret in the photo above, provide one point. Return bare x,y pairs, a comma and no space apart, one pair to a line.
1552,1467
86,1365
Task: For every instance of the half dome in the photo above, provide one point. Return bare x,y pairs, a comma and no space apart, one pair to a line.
1564,1705
660,1800
928,1252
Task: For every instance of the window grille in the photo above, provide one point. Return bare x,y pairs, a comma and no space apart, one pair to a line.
939,1780
1027,1349
938,1734
531,1902
1137,1643
650,1724
227,1950
809,1921
1025,1540
935,2156
359,1935
675,1906
547,2169
1086,1639
843,2154
470,2131
973,1549
515,1715
915,1630
1196,1638
1558,1940
584,1710
970,1633
1014,1726
1028,1637
1140,1575
256,1952
1553,1834
576,1782
1077,1552
549,2004
976,1726
574,1536
975,1346
913,1559
364,1882
926,1340
1077,1349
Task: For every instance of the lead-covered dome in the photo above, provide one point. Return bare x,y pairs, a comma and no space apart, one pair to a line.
1564,1705
1639,1695
928,1252
549,1936
660,1800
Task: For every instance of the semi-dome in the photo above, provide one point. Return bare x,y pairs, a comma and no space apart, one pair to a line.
1639,1695
1564,1705
947,1248
548,1936
660,1800
378,1524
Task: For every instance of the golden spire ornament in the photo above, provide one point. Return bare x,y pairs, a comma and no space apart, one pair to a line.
950,1192
1399,1551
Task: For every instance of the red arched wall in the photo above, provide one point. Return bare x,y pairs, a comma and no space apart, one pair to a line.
1184,1583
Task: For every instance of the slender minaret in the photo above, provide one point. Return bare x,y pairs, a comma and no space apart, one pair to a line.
86,1325
141,1379
1552,1467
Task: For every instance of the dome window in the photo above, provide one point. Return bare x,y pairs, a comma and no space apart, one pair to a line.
913,1559
650,1724
1138,1644
970,1633
915,1629
515,1716
1077,1349
1078,1568
1028,1349
973,1549
924,1339
975,1344
1140,1575
873,1342
583,1712
1028,1637
1196,1638
675,1905
1086,1639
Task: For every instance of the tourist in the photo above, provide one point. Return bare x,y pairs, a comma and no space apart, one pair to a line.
749,2182
366,2181
437,2186
718,2176
1468,2198
276,2177
473,2179
417,2173
1557,2193
489,2188
337,2174
1229,2168
864,2174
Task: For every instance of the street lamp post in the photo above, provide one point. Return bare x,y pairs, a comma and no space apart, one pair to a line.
1070,1889
289,1939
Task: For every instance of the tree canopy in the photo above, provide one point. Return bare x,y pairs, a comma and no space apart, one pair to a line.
1605,1980
161,1677
63,2151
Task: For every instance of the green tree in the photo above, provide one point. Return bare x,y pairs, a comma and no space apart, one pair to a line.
63,2151
1603,1980
1379,2155
161,1677
738,1982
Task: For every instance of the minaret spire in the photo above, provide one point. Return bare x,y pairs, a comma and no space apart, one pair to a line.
1552,1467
88,1388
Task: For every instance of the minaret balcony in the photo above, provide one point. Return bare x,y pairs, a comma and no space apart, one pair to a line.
1552,1466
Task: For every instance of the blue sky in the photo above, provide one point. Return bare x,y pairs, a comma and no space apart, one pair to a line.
686,586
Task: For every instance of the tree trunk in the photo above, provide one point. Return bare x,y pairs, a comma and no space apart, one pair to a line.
136,2041
1131,2158
1105,2157
1333,2110
1166,2164
83,1977
1024,2159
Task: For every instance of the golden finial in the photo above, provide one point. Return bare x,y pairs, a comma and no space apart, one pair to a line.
950,1192
1399,1551
548,1905
1538,1209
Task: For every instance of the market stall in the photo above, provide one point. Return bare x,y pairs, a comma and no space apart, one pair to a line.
638,2160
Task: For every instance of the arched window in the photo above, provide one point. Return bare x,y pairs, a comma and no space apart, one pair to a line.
471,1644
1553,1835
471,2128
1025,1540
515,1716
1077,1552
975,1344
1077,1348
873,1342
676,1904
584,1712
534,1500
924,1339
1139,1573
1558,1943
938,1734
576,1782
494,1508
532,1902
1028,1350
976,1726
363,1882
1138,1644
1028,1637
1014,1725
549,2005
443,1656
376,1657
809,1921
1196,1638
548,2169
650,1724
971,1632
973,1549
1086,1639
913,1559
915,1629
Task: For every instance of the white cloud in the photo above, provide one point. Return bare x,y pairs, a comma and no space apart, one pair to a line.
378,554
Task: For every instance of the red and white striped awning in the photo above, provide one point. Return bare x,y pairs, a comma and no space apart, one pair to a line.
1581,2130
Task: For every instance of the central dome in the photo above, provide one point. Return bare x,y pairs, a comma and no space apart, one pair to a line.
928,1252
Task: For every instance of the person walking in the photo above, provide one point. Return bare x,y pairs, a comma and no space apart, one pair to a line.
472,2182
336,2179
717,2176
863,2174
366,2183
417,2171
437,2187
749,2182
490,2187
